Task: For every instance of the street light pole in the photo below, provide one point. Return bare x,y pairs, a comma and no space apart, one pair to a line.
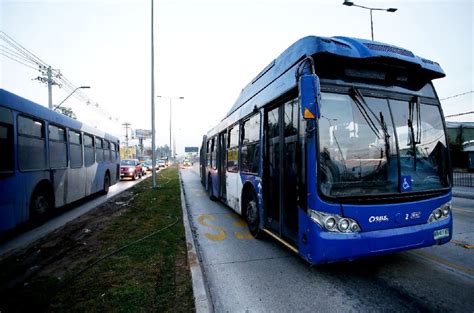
153,152
350,4
170,100
81,87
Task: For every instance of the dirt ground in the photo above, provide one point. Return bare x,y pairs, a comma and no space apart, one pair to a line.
31,278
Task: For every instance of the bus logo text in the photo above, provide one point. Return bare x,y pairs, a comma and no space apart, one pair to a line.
378,219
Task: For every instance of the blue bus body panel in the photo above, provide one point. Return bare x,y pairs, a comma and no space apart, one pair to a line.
14,102
393,215
17,188
279,76
324,247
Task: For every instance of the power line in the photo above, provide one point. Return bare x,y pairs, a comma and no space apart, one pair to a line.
460,114
31,54
458,95
18,61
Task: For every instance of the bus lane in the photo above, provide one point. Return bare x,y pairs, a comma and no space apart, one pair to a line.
244,274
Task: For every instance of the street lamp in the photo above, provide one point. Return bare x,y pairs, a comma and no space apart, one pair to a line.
170,99
81,87
350,4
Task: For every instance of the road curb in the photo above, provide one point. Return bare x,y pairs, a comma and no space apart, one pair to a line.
201,295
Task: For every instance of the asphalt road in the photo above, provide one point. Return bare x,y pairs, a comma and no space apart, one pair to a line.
244,274
74,212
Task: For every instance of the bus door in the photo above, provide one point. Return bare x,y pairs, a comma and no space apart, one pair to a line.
222,164
281,171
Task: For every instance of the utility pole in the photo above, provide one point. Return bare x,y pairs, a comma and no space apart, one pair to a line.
126,126
47,79
50,88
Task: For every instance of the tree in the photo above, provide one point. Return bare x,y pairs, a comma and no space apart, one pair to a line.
68,112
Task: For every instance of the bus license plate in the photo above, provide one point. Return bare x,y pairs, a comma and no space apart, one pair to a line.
441,233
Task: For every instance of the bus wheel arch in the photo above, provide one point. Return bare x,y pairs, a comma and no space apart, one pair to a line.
250,210
42,200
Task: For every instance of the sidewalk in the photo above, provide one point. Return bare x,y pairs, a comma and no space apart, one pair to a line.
463,192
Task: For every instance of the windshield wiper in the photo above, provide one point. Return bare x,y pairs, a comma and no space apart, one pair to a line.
414,112
364,110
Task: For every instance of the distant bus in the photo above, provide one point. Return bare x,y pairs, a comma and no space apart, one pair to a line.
48,160
338,150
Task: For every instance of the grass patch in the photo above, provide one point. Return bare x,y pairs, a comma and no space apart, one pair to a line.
149,276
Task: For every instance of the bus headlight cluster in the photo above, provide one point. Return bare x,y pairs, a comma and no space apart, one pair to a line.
334,223
440,213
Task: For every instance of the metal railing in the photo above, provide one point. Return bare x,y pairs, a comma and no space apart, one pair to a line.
463,179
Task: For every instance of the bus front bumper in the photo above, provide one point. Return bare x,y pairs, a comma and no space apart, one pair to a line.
318,246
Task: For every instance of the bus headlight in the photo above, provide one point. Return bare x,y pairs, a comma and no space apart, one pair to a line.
334,223
440,213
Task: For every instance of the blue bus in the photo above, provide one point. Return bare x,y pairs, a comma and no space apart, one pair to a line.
338,150
48,160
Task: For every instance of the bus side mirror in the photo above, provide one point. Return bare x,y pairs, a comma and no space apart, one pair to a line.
310,96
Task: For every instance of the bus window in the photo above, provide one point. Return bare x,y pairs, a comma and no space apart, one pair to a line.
99,153
113,152
208,153
89,158
6,141
31,144
250,151
57,147
213,153
75,149
107,155
232,149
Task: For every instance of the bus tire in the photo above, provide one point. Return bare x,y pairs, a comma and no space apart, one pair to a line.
210,189
105,190
134,177
251,213
41,203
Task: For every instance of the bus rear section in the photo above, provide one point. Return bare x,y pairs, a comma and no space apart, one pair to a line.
352,152
48,161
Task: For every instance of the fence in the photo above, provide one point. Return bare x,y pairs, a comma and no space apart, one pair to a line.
463,179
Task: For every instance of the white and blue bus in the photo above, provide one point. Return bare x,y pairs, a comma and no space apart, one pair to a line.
338,150
48,160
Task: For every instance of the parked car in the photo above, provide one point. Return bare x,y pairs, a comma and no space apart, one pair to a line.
130,168
148,164
144,168
186,163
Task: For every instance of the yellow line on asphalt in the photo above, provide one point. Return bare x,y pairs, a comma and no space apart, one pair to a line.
444,262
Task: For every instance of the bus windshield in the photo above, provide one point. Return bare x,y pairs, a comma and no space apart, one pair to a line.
373,146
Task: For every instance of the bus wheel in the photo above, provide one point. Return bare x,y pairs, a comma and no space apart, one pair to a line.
41,203
210,189
106,184
251,214
134,177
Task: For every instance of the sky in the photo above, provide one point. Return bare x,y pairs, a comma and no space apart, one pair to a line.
206,51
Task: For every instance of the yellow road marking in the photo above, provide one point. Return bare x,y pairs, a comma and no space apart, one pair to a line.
221,235
462,244
240,223
444,262
246,235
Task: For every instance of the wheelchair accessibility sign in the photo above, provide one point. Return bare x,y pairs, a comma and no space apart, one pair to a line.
405,183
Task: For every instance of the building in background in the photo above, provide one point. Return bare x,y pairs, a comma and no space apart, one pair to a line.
461,141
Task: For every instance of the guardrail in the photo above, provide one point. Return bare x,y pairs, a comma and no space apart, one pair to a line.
463,179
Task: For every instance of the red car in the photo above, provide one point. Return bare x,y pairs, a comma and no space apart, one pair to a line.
130,168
